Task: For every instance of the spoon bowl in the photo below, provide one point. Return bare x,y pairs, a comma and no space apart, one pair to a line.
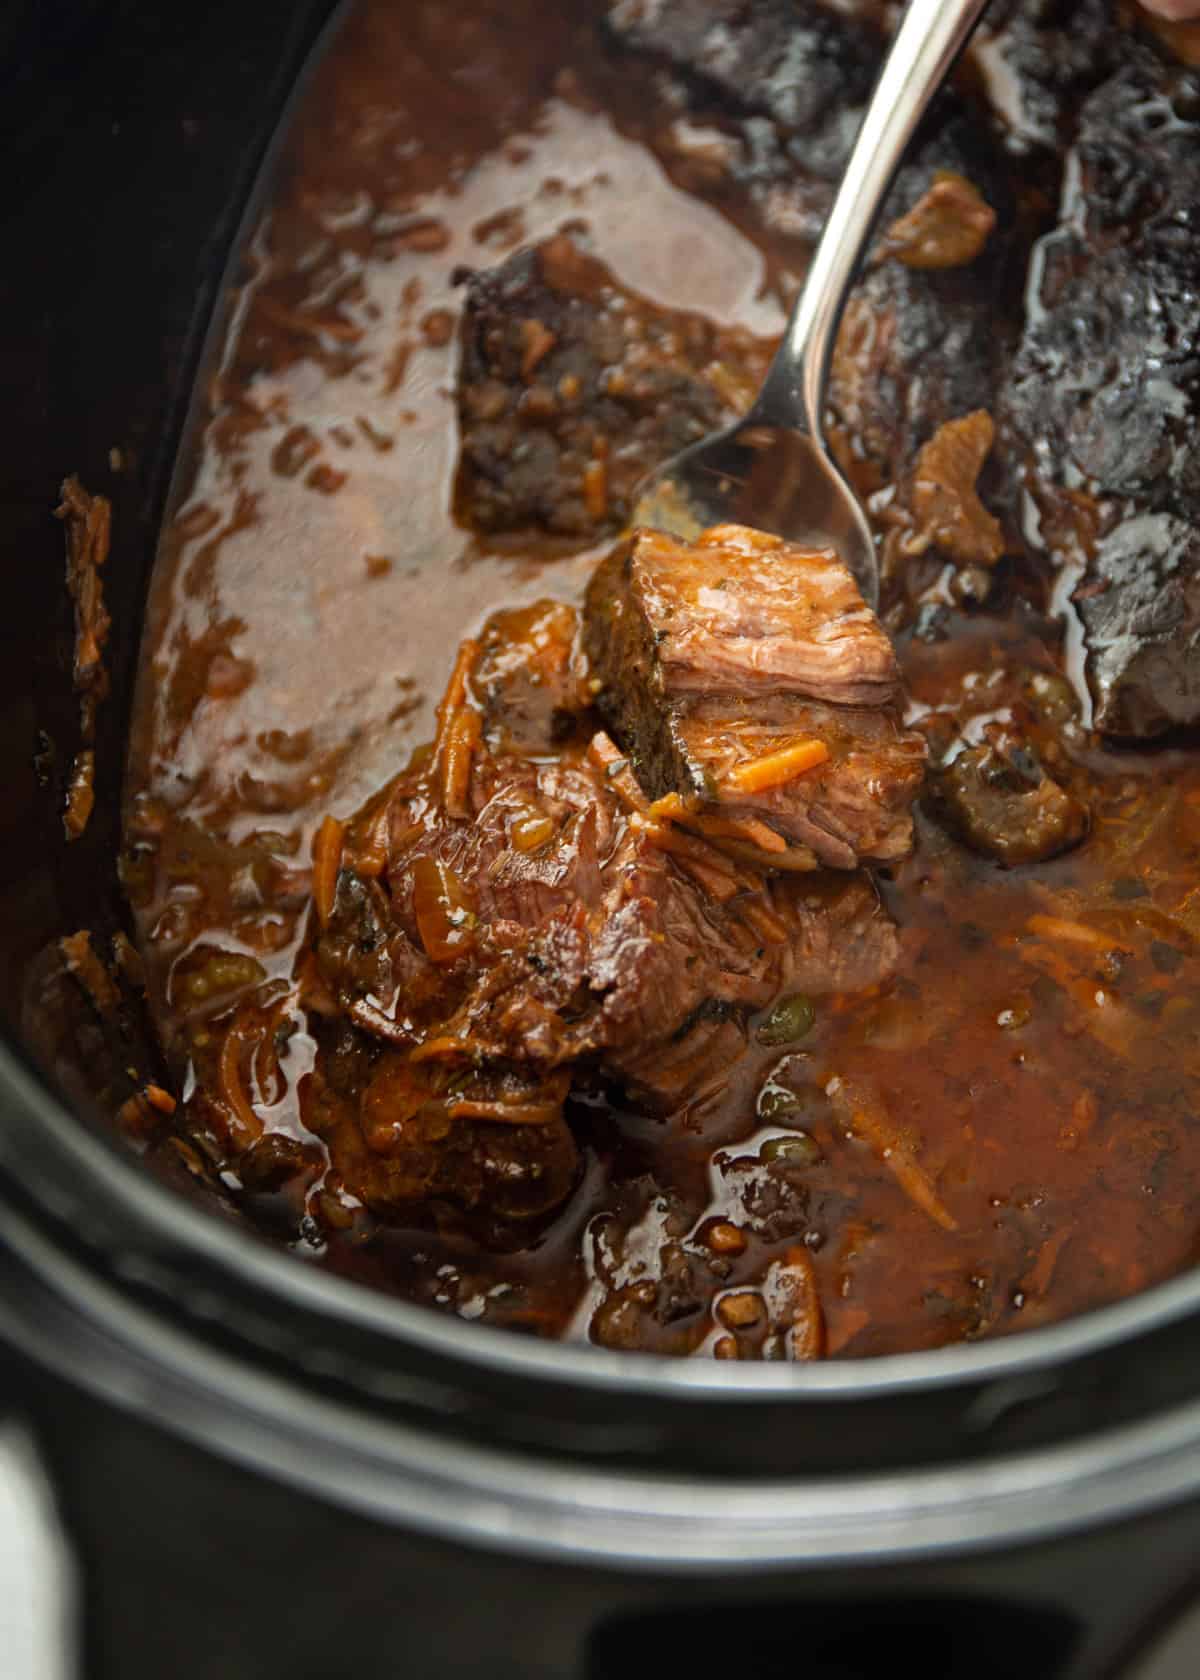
772,469
777,478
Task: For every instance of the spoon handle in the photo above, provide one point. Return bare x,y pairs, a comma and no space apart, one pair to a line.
931,35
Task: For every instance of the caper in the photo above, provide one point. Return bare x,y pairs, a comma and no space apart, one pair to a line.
776,1102
798,1150
790,1019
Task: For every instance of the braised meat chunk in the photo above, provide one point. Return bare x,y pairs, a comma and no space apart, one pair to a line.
1104,397
933,317
753,687
571,385
1041,59
498,928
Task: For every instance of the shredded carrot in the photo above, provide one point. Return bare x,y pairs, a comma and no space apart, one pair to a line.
749,829
1038,1279
162,1100
1083,1117
462,738
265,1061
370,853
458,730
1074,933
865,1116
372,1019
1100,1012
716,885
439,1049
667,808
797,1278
709,868
229,1079
604,753
764,921
456,691
327,860
509,1114
775,769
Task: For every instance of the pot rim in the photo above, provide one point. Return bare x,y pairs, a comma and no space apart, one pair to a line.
468,1492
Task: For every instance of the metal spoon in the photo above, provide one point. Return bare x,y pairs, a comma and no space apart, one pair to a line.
772,468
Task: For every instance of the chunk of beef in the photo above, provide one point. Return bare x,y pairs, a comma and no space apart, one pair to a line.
720,659
409,1138
571,387
1141,619
1104,399
472,960
790,78
799,62
920,346
602,940
529,677
1104,390
998,797
1040,59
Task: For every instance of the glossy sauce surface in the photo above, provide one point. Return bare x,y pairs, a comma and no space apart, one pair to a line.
1035,1048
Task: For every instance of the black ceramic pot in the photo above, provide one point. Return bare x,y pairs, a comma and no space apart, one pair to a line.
269,1471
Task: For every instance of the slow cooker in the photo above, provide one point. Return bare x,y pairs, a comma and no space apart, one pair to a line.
267,1471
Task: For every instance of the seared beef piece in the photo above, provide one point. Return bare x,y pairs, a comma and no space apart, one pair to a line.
571,388
529,677
998,798
599,941
731,650
1104,398
921,346
396,1142
468,965
1041,58
790,76
917,347
1142,624
797,61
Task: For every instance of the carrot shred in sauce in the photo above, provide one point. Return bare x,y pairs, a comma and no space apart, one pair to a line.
748,829
777,768
1072,933
444,1048
459,728
764,921
865,1116
456,691
230,1084
713,871
604,753
327,861
462,737
508,1114
796,1279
